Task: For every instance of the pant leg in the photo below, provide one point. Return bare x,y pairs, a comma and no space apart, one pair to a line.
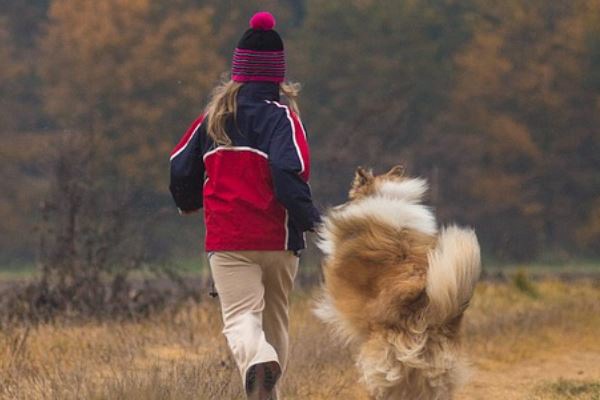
279,271
239,282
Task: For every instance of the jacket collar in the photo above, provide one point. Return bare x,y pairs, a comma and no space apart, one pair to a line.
260,91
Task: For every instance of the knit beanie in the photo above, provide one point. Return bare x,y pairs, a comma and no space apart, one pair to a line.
259,54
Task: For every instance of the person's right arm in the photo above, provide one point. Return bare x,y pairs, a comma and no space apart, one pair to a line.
187,170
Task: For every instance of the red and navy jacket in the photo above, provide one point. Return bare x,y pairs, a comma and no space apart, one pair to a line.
255,192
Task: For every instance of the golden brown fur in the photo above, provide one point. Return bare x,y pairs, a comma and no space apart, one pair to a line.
396,288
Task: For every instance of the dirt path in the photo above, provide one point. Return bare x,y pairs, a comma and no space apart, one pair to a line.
518,381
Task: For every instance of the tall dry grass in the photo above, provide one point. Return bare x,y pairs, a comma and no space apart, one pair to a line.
182,355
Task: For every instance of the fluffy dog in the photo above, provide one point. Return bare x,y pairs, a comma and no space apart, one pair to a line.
396,288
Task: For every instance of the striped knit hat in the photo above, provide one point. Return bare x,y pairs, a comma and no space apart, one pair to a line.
259,54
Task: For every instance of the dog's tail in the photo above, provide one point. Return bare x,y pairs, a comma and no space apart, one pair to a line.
454,268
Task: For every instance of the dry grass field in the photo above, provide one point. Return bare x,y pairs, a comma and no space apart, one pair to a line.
525,341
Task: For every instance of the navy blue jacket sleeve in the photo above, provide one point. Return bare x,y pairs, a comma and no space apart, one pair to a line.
288,161
187,170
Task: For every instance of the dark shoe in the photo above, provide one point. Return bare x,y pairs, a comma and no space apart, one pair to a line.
261,380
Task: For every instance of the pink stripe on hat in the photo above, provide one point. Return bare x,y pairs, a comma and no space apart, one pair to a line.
253,65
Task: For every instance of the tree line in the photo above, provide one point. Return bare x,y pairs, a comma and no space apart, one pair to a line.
496,103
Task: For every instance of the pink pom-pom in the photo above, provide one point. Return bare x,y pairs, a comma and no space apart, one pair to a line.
263,21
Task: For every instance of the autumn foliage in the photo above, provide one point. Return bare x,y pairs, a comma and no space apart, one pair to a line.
496,103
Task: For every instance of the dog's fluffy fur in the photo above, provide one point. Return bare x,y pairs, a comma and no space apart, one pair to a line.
396,288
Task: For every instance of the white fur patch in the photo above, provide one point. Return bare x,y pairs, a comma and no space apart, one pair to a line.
409,190
421,367
397,213
325,238
395,204
326,311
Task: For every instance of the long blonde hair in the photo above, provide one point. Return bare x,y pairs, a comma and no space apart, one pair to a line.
223,105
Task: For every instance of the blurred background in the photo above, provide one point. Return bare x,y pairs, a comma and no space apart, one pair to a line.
497,104
104,289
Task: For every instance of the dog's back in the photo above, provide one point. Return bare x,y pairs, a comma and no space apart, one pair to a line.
375,278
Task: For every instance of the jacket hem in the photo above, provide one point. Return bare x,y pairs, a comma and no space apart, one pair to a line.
251,247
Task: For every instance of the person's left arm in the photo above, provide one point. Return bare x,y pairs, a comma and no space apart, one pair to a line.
289,159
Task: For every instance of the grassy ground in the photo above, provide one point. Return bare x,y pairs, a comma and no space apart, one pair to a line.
193,267
535,341
18,272
198,267
568,389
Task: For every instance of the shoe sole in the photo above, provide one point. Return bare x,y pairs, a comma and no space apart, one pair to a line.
261,380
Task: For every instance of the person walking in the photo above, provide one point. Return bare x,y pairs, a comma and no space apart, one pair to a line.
246,161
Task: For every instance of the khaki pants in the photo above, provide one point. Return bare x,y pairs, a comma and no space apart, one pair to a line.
253,288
